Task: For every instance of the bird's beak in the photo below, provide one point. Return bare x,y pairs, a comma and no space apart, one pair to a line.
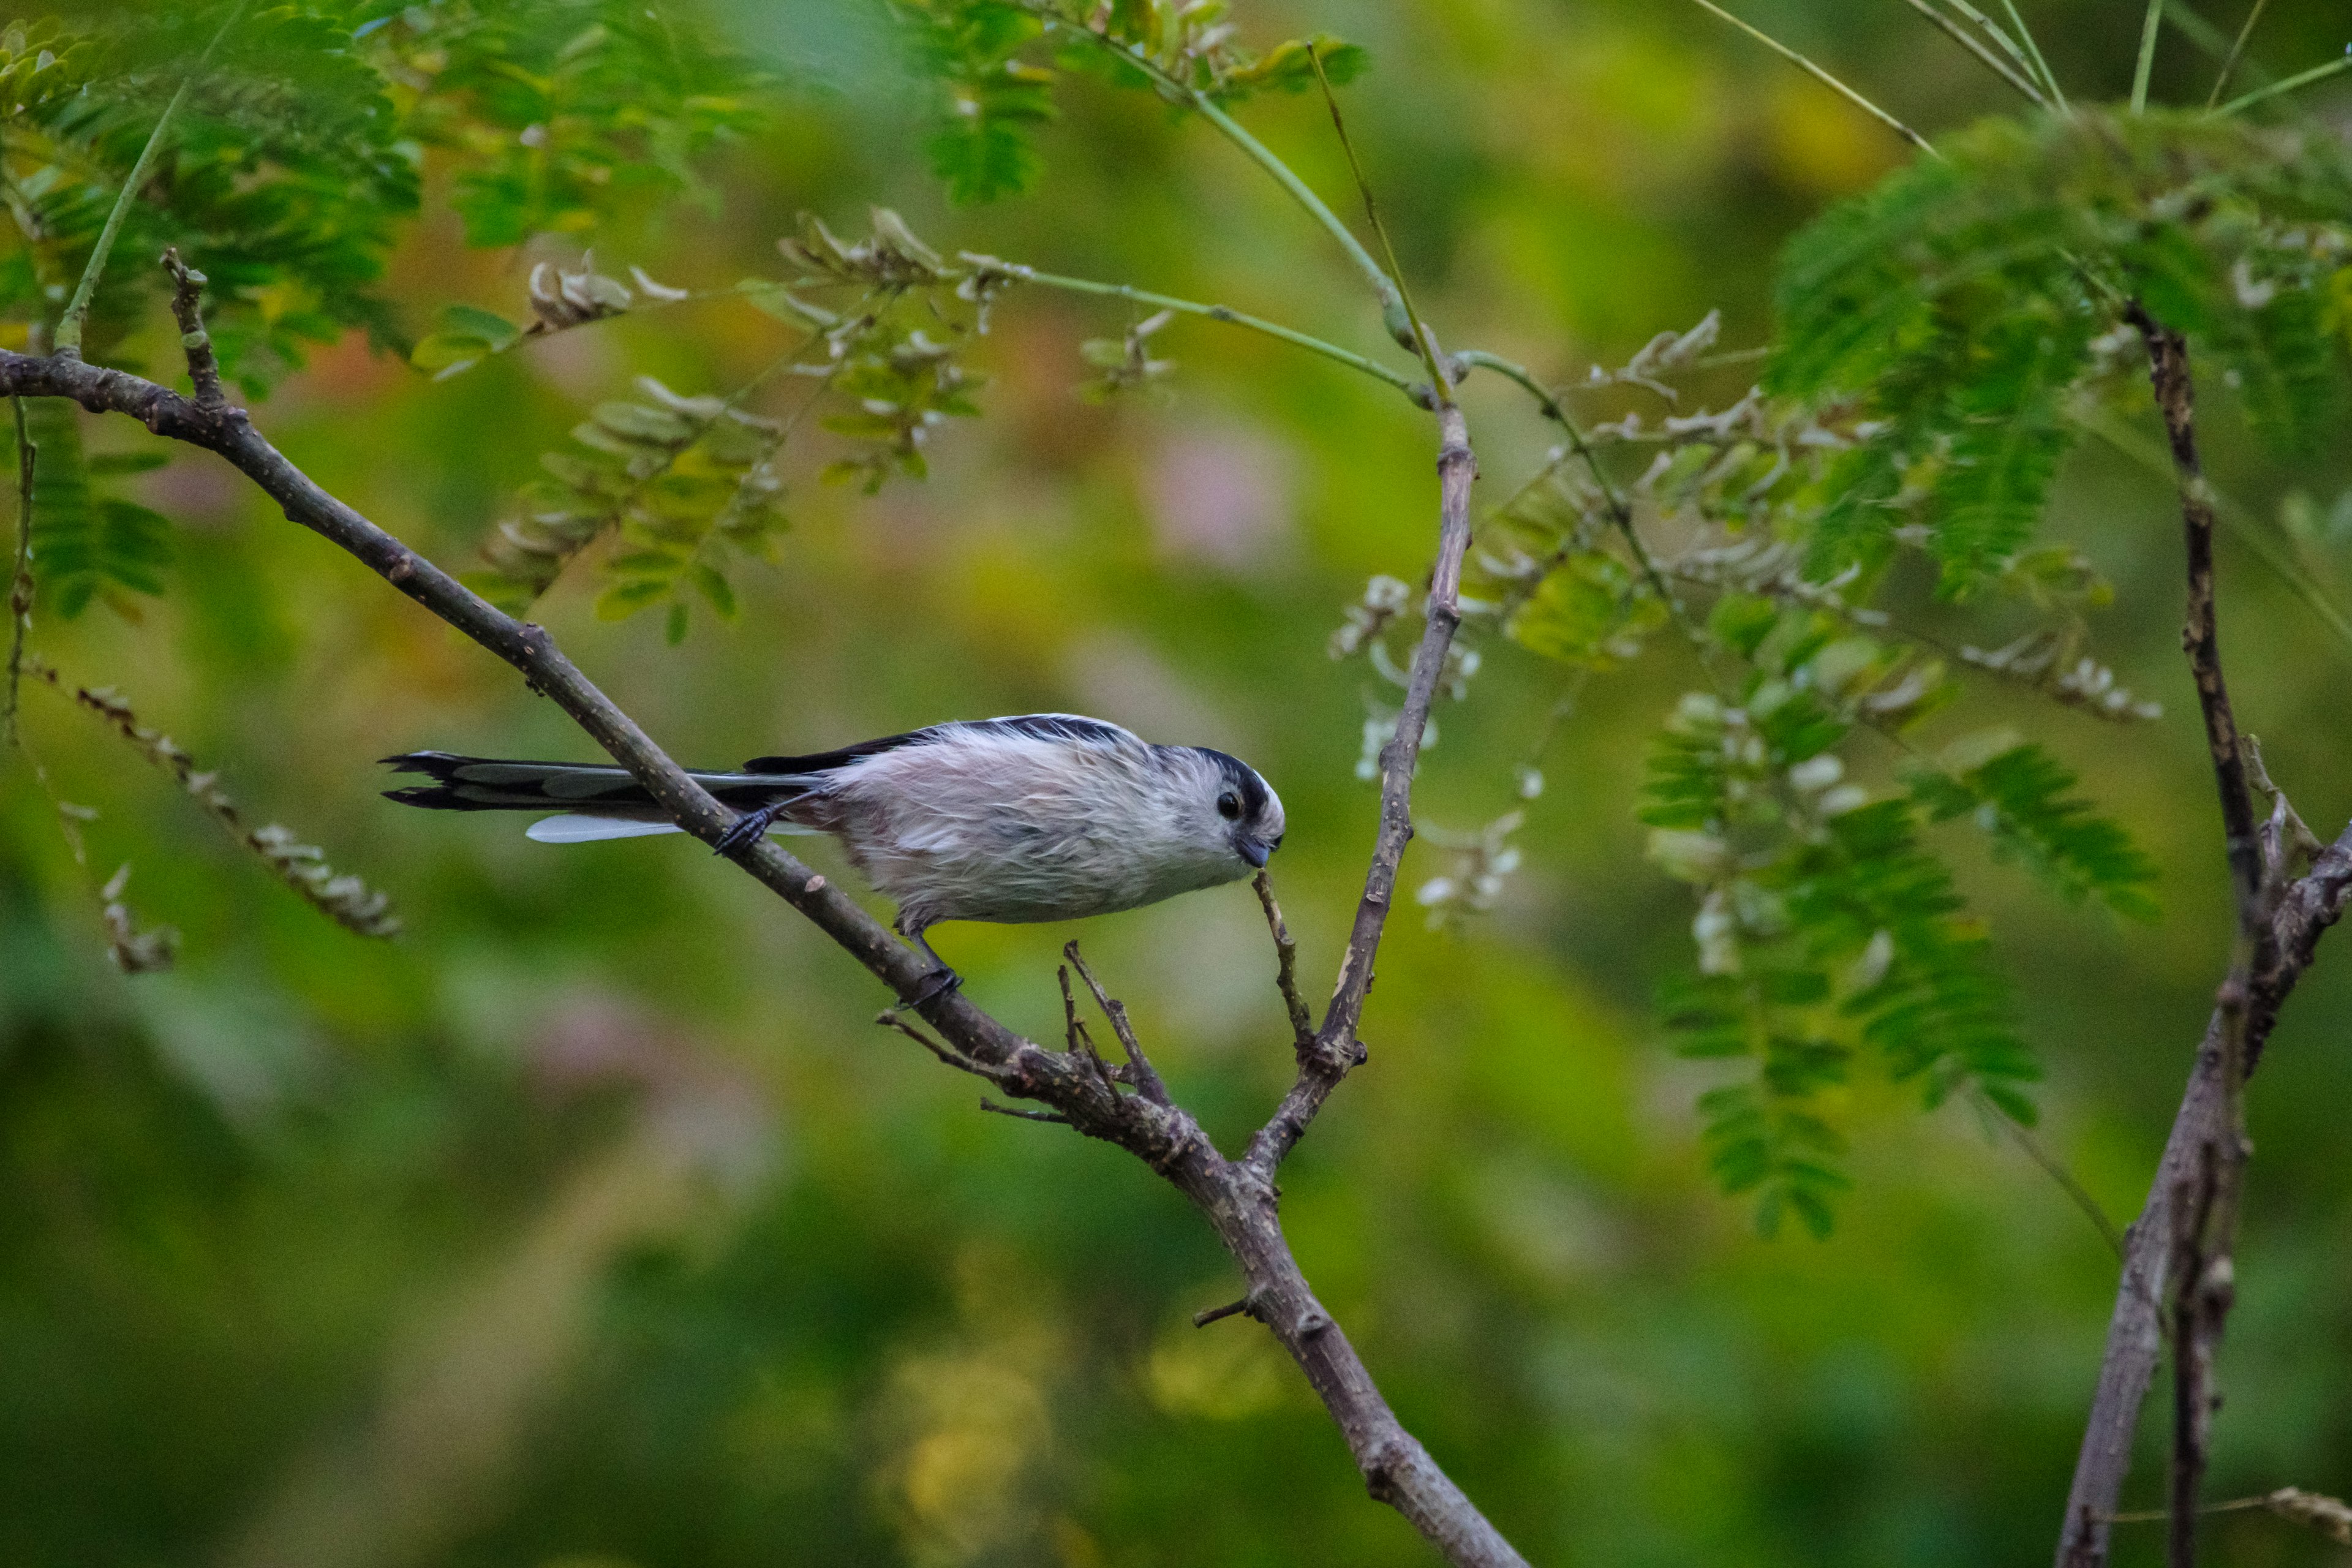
1253,852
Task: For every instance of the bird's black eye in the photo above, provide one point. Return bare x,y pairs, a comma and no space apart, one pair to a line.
1229,805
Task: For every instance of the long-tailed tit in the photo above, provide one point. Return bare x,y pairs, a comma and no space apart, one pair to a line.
1048,817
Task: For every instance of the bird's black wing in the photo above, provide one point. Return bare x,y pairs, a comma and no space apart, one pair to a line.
1034,726
825,762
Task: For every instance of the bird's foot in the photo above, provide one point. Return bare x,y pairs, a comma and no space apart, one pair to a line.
941,980
746,830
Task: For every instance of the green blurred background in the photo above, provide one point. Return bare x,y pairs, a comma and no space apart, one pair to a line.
592,1222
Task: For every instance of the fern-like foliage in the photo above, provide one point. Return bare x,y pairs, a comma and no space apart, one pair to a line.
1824,929
1956,307
559,112
286,173
2023,798
677,481
87,545
993,64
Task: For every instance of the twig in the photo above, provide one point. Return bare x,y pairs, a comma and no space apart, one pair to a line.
1285,965
2205,1235
888,1018
1336,1049
1183,92
1992,62
1235,1196
68,334
2053,1167
1207,1315
1082,1044
1440,388
2185,1235
2304,912
2330,1516
2237,49
2195,1274
2234,515
2146,63
2286,836
187,309
20,581
1139,1067
1054,1116
2318,73
346,901
1824,77
1348,357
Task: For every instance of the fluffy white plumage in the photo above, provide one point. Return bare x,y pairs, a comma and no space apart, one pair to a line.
1040,818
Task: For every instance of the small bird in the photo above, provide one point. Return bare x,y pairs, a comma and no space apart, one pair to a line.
1046,816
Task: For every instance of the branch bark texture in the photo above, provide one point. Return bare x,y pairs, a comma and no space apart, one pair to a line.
1127,1106
2182,1246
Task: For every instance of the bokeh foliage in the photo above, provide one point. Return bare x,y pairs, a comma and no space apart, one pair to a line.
592,1178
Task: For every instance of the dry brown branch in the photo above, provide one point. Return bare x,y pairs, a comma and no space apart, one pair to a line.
1334,1050
347,900
20,579
1237,1197
2183,1244
187,293
1286,961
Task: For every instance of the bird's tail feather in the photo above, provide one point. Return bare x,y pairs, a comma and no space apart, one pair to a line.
598,794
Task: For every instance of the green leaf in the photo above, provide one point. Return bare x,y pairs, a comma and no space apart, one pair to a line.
445,355
464,320
1954,308
2022,799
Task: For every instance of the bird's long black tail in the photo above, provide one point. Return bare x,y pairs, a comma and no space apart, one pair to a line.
492,783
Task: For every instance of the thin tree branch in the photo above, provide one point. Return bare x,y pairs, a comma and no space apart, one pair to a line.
1285,965
187,292
2135,1331
1382,285
1334,1050
1348,357
2205,1204
1237,1197
2181,1245
20,580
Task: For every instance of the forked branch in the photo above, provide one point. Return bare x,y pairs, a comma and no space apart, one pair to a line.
2182,1247
1237,1196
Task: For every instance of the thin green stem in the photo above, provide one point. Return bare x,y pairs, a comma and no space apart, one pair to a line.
1257,152
1999,35
1333,351
2053,1167
1992,62
1441,393
68,338
2234,516
20,581
1824,77
2237,49
2041,66
2146,66
1620,509
2316,73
